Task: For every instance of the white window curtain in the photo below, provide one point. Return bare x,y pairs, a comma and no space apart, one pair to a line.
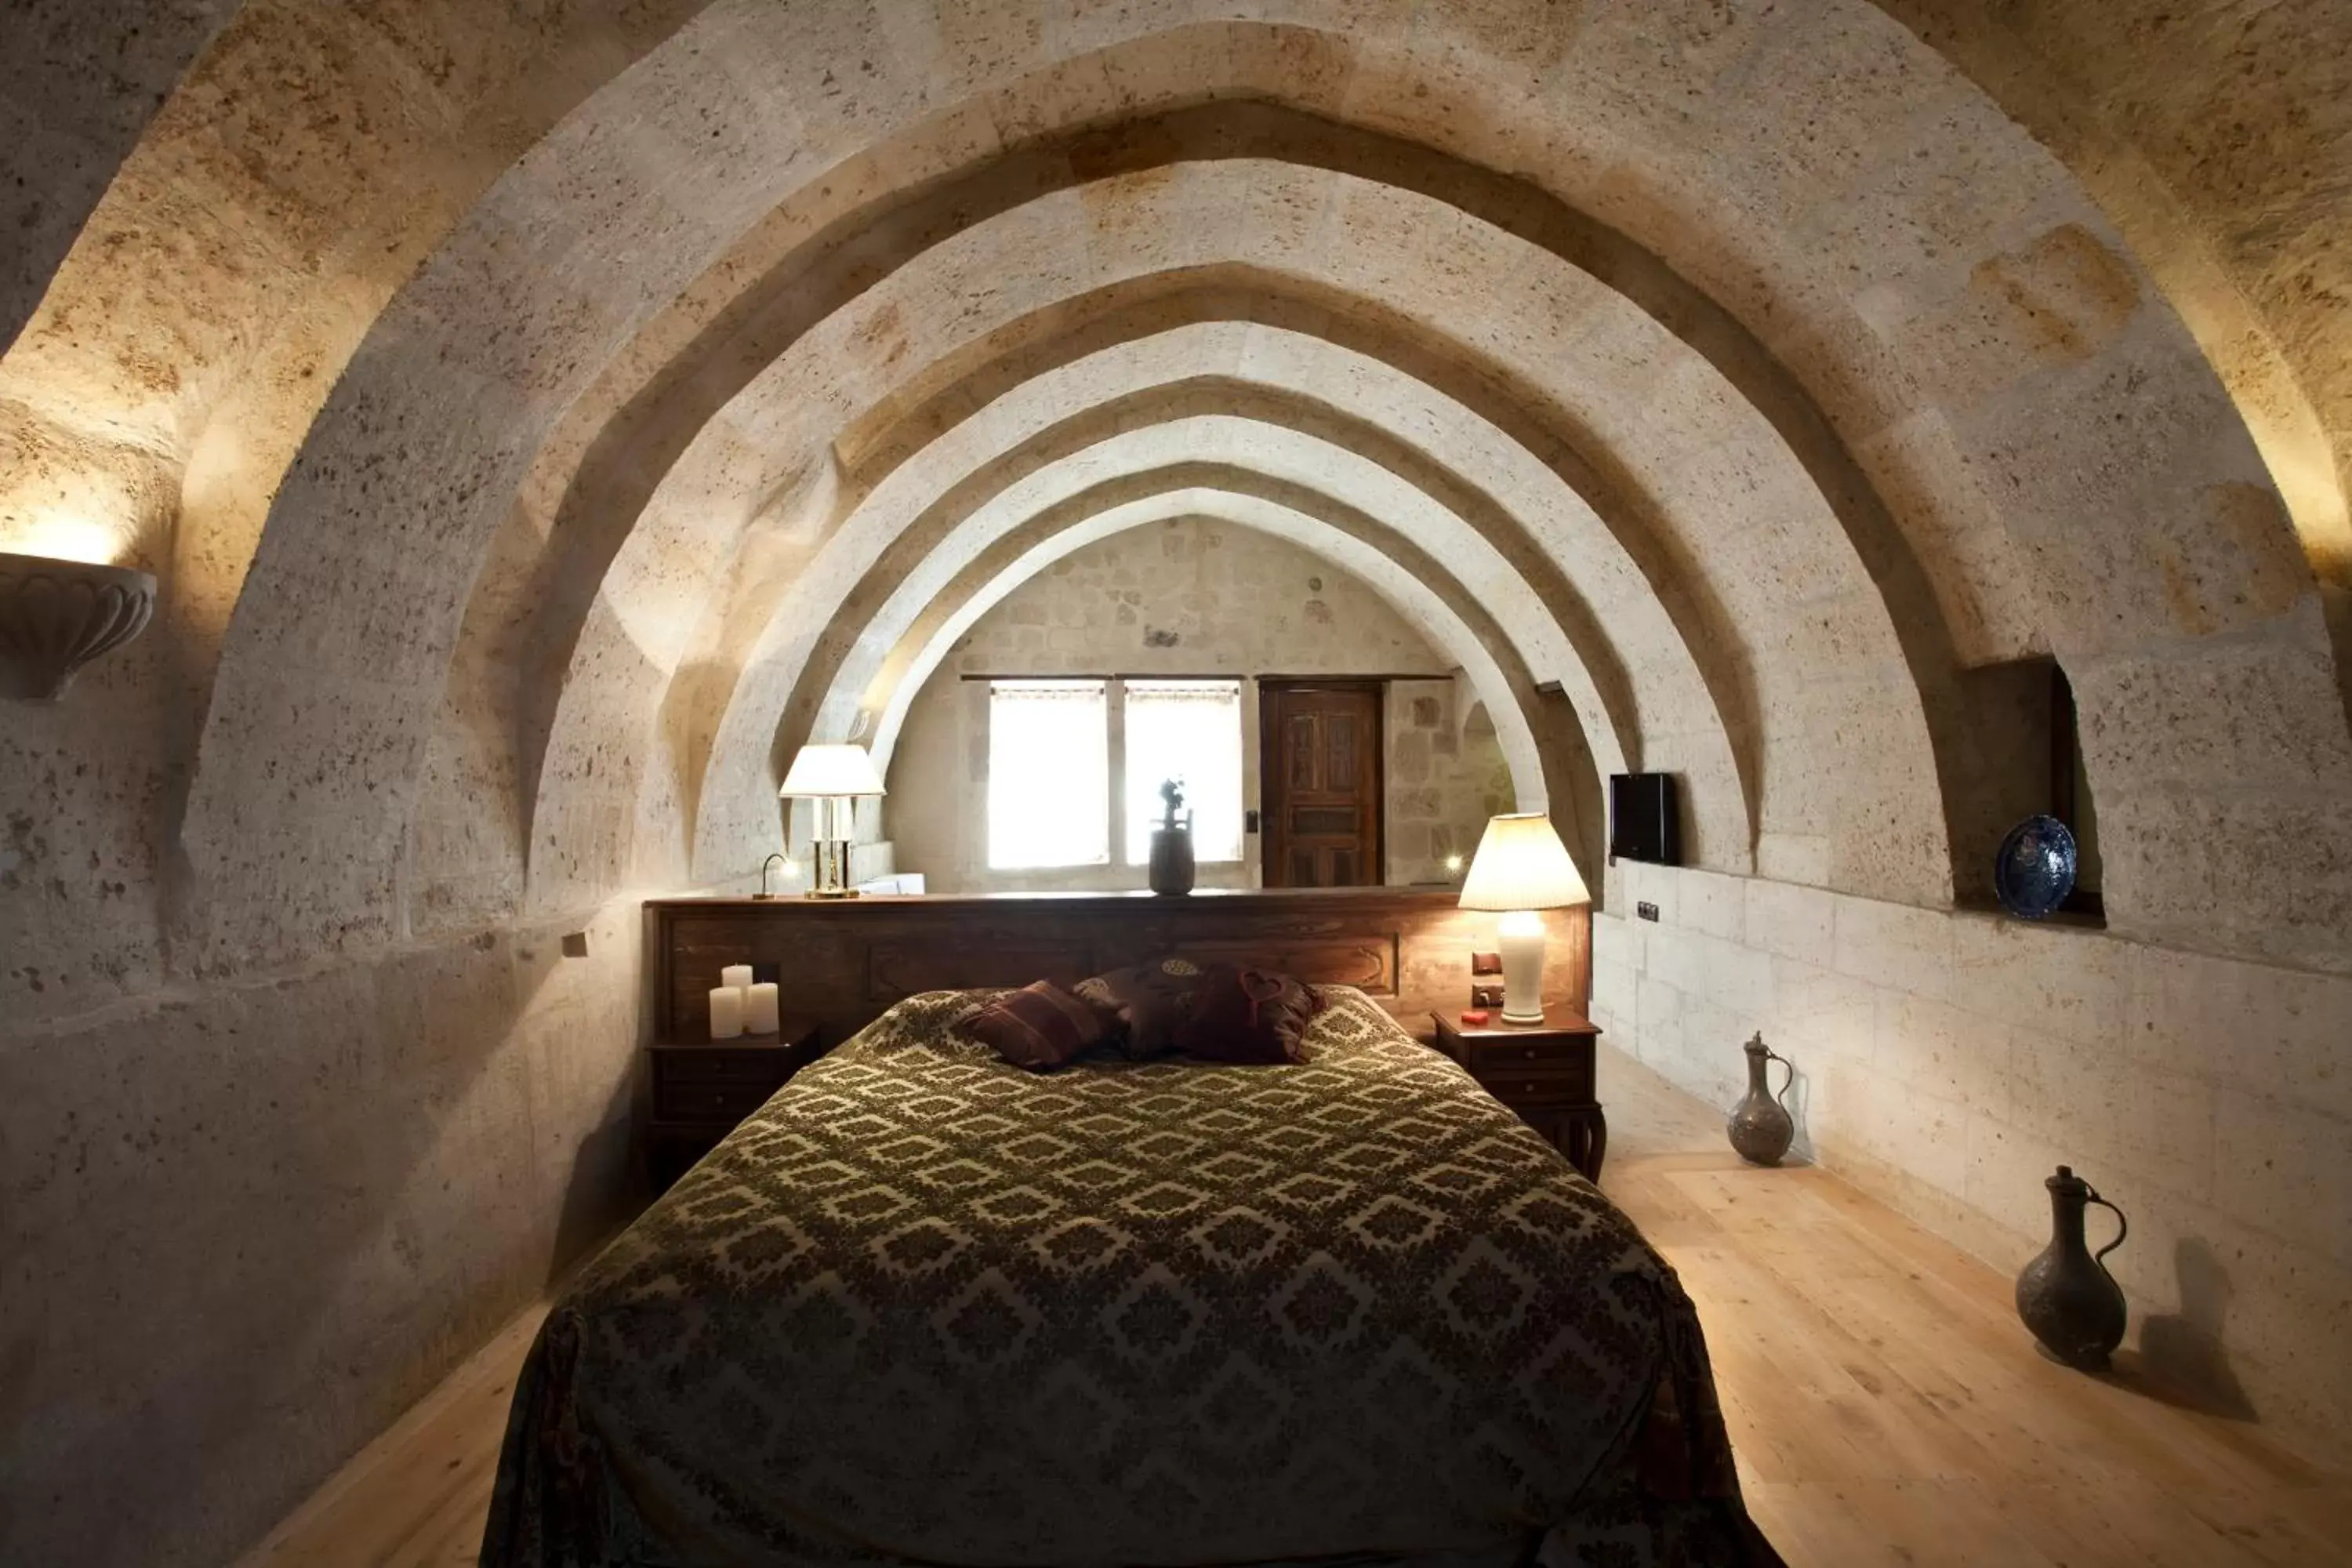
1190,730
1048,774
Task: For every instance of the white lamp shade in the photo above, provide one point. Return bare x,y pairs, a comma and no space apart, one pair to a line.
1522,865
822,771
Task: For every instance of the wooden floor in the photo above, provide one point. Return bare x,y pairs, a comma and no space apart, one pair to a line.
1884,1403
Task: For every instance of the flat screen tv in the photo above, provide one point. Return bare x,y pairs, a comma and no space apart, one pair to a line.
1641,819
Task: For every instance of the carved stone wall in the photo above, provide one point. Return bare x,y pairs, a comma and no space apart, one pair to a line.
1191,597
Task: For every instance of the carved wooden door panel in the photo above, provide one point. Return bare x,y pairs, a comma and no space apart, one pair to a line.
1319,772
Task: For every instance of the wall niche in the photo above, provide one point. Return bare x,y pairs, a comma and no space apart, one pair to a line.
2028,760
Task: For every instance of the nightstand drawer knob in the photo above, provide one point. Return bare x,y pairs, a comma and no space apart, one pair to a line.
1529,1053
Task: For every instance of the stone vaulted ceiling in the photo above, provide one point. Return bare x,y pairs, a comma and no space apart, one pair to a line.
546,419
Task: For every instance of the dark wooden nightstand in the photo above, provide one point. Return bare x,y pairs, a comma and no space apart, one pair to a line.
1544,1071
703,1088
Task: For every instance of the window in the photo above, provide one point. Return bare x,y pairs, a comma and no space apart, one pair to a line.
1191,730
1048,774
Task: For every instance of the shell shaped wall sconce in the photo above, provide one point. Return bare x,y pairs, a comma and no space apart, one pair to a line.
58,616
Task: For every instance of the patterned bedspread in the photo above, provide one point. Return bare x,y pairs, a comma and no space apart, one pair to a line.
927,1308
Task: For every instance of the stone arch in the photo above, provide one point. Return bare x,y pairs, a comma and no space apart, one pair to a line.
1422,606
901,537
905,639
995,552
1098,464
872,444
1564,538
452,410
974,440
1551,767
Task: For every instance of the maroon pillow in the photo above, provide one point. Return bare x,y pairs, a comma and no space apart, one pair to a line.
1246,1015
1039,1026
1146,1003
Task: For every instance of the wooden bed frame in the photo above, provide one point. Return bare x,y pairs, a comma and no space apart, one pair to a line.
844,962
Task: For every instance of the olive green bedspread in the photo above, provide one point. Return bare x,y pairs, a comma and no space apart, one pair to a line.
927,1308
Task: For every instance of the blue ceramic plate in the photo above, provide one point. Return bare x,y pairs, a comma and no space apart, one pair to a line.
2036,869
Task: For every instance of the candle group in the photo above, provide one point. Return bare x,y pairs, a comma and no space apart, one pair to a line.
739,1006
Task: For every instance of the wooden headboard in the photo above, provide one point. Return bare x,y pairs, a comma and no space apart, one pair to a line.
843,962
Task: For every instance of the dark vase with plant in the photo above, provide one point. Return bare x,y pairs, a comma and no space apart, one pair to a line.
1172,845
2066,1296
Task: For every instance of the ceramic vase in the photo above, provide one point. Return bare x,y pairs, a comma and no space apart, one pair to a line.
1761,1126
1171,860
2066,1296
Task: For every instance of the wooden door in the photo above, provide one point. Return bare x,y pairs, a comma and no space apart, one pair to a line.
1319,775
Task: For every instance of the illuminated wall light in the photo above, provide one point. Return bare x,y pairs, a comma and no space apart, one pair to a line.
61,536
59,611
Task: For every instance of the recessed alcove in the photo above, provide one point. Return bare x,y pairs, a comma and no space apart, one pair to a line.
2030,755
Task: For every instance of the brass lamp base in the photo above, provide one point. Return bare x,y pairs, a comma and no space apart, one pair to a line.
832,892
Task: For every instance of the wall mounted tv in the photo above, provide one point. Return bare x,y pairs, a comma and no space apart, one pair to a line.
1643,821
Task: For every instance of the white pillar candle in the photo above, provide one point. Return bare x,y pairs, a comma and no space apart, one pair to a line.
725,1012
761,1014
739,975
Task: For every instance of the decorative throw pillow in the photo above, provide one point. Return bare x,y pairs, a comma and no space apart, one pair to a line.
1147,1003
1247,1016
1039,1026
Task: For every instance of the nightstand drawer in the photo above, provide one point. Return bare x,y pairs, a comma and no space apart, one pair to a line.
1540,1053
701,1089
728,1101
1553,1084
717,1064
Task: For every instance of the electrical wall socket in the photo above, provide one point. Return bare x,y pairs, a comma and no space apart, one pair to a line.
1647,911
1485,996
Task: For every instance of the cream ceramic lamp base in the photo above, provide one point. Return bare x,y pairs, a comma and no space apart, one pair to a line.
1519,935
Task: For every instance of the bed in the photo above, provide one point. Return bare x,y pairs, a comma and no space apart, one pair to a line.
926,1307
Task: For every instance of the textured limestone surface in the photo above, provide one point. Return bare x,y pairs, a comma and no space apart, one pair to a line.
2218,137
543,417
1446,776
1193,595
247,1225
78,80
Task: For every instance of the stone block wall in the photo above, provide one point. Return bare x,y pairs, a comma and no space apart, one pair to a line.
1949,1061
1194,597
1445,777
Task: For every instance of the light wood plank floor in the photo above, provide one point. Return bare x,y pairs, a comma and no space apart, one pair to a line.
1884,1403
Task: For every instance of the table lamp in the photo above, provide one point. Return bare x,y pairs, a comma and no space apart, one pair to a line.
834,777
1521,867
